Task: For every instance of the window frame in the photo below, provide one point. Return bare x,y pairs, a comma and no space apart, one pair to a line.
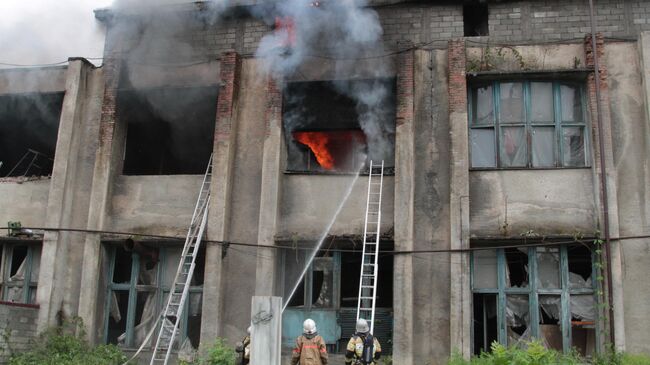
29,284
528,124
533,292
133,289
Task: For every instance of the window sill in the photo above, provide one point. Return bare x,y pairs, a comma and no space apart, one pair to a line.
23,179
388,171
22,305
527,168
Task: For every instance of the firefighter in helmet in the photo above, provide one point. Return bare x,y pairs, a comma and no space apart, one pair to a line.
310,347
244,348
363,348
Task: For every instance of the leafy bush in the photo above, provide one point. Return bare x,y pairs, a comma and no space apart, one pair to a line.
219,354
65,345
534,353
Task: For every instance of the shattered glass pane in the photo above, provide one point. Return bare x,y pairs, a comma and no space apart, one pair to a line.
573,143
571,104
516,268
512,102
513,147
517,318
482,106
548,267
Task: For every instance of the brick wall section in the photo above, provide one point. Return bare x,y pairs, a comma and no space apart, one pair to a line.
273,113
18,326
457,81
413,24
230,67
405,88
591,91
111,68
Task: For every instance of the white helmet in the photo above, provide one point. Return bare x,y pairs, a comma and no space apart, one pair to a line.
249,329
309,326
362,326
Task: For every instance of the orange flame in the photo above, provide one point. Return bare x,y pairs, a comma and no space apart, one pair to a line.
317,141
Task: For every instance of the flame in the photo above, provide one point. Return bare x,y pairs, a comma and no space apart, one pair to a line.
317,141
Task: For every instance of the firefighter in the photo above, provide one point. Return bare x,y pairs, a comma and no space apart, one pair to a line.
363,347
244,348
310,347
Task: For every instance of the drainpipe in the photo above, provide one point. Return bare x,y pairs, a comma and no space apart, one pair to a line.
603,174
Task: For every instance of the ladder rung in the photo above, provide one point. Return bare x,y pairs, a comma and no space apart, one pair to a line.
366,298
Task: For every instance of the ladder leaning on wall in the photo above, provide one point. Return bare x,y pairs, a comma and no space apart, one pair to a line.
370,255
171,315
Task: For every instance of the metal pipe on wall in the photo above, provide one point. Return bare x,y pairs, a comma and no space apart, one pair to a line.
603,173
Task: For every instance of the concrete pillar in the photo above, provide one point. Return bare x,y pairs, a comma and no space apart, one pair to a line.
270,194
220,196
460,293
404,200
266,334
612,200
55,275
108,163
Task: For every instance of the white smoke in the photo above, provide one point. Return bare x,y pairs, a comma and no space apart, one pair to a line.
45,31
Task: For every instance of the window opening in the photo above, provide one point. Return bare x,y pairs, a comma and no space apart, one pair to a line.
543,292
29,125
327,131
527,124
138,291
170,130
475,19
21,268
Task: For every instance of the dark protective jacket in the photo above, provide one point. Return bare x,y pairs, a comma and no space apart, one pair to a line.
309,350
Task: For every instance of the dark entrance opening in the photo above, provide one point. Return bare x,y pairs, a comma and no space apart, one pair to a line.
475,19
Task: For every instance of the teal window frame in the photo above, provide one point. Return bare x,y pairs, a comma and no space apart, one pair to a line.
162,291
528,124
29,284
533,292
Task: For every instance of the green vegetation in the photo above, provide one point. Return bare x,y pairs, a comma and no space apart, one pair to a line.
65,345
219,354
534,353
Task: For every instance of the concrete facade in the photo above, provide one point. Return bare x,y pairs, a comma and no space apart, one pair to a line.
434,201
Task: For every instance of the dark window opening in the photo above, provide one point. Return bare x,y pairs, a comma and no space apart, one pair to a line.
517,268
170,131
485,322
29,124
18,256
336,126
475,19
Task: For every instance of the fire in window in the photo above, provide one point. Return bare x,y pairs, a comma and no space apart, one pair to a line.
29,124
336,126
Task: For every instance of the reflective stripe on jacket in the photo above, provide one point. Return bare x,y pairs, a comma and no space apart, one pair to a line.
309,351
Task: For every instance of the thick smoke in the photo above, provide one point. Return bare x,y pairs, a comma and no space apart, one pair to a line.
341,31
46,31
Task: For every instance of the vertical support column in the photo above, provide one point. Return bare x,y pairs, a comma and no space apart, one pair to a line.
271,190
220,196
54,258
108,162
616,269
404,200
266,334
460,293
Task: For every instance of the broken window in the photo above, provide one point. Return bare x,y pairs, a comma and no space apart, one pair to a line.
170,130
542,292
527,124
21,263
331,288
475,19
336,126
142,277
29,125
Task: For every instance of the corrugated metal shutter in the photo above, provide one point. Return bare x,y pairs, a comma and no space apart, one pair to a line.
383,327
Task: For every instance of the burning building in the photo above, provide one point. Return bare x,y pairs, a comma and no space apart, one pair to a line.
513,177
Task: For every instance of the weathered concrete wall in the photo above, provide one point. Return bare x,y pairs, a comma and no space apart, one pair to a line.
18,328
631,130
310,201
509,203
161,205
24,202
14,81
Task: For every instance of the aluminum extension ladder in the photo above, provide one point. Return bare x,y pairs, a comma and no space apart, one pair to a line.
170,317
370,255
